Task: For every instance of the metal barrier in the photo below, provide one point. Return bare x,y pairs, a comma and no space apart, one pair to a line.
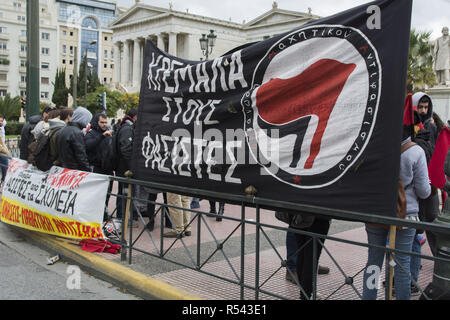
13,145
238,274
130,240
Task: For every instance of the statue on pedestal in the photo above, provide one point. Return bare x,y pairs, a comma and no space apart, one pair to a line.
441,55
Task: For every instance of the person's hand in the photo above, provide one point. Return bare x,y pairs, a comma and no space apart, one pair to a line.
107,133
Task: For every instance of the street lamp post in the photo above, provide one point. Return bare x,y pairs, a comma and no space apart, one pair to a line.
85,71
207,43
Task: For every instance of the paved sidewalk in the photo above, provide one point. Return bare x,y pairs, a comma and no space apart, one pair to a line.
152,278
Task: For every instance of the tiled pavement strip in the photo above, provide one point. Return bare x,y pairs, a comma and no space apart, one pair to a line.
351,259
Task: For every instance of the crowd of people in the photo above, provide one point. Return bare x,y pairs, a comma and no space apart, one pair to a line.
77,140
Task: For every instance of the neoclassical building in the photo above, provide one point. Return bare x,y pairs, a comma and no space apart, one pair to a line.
178,33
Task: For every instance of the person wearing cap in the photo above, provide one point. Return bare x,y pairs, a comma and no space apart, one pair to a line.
70,145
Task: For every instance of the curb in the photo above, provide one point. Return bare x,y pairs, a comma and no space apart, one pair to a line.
117,274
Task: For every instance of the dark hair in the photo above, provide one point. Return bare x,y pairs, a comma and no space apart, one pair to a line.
132,112
438,122
47,109
102,115
54,113
424,99
65,113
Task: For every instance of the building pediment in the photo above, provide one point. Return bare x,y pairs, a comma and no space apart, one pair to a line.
139,12
276,16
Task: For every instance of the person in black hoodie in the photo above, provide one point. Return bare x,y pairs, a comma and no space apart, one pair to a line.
93,140
426,138
125,136
70,141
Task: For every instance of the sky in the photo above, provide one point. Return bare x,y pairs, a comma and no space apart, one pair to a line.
428,15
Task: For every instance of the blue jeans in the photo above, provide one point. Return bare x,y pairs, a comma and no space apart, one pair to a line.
4,166
402,284
416,261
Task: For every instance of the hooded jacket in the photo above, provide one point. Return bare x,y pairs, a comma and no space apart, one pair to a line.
70,141
125,136
93,140
54,126
426,120
414,175
26,137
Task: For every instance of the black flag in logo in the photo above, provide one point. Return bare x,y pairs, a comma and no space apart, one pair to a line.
312,116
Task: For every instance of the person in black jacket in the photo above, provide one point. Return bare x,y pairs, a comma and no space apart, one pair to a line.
93,140
125,147
26,137
70,141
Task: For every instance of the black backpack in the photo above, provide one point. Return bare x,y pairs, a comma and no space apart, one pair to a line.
109,156
42,159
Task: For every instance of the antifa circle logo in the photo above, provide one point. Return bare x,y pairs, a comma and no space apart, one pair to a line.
313,104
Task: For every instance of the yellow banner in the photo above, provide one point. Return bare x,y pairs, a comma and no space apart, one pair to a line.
18,214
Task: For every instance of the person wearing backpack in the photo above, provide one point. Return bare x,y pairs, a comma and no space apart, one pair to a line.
70,144
26,137
414,177
43,157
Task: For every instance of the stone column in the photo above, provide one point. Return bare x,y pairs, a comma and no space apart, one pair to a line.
141,54
125,64
117,67
173,43
136,62
160,42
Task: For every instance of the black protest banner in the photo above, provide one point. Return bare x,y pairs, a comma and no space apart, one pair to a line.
312,116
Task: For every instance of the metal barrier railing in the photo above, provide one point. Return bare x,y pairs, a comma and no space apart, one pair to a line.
130,240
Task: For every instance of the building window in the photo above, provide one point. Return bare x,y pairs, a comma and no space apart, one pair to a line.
105,66
64,49
23,48
21,18
70,62
17,5
23,33
64,33
112,54
23,78
71,33
104,80
45,36
44,95
23,93
23,63
106,38
3,93
3,45
45,80
45,50
112,66
105,54
3,76
45,65
71,50
64,61
3,29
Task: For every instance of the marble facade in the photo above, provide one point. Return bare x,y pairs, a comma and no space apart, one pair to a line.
178,33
